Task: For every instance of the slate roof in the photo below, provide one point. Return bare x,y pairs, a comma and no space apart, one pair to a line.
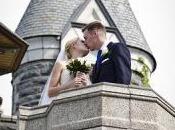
46,17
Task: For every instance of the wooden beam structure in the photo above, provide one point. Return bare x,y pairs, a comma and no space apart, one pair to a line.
12,50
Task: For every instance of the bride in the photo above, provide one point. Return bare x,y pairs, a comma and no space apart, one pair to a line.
60,78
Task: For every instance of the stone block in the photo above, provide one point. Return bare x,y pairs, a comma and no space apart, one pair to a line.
115,112
50,42
143,115
34,43
164,117
50,53
35,54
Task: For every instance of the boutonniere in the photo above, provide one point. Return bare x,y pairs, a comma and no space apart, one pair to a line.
106,54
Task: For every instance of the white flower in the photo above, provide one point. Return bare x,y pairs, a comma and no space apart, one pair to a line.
105,51
82,60
78,64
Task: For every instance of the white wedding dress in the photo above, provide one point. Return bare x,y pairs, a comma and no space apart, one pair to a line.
65,77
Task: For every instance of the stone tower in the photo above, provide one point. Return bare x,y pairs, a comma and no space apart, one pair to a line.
47,24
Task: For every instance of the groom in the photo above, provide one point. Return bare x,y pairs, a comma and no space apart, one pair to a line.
113,59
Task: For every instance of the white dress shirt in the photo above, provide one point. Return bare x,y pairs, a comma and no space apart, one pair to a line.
104,47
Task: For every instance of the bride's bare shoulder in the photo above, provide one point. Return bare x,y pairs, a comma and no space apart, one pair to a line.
61,64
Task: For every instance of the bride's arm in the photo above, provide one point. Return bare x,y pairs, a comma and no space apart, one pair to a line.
54,86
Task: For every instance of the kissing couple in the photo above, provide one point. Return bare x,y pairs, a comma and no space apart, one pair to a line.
113,63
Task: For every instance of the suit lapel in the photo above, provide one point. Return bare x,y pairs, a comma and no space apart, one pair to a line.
109,46
96,71
95,74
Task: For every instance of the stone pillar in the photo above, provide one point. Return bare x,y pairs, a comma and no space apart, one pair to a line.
28,83
29,80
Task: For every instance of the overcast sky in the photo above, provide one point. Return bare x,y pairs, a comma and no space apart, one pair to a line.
157,21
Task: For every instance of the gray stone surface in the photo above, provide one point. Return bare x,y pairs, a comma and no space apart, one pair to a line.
8,122
144,115
28,82
165,118
106,128
101,106
36,124
45,47
115,112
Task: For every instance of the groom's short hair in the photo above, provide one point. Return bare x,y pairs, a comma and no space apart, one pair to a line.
94,25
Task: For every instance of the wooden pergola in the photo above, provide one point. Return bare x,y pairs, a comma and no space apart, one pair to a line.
12,50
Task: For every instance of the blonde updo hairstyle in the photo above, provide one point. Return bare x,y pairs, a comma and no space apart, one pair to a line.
68,47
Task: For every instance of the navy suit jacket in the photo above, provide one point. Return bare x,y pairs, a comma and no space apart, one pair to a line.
115,66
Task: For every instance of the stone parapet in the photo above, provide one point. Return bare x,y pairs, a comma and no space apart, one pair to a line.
8,122
101,106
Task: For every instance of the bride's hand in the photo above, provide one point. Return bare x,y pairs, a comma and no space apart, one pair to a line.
77,81
81,77
84,79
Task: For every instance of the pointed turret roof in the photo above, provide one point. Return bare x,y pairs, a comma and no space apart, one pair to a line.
46,17
50,17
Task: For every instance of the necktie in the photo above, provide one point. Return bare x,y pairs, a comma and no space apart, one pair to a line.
98,61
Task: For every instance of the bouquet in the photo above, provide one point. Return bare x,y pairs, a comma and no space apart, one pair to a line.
80,65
